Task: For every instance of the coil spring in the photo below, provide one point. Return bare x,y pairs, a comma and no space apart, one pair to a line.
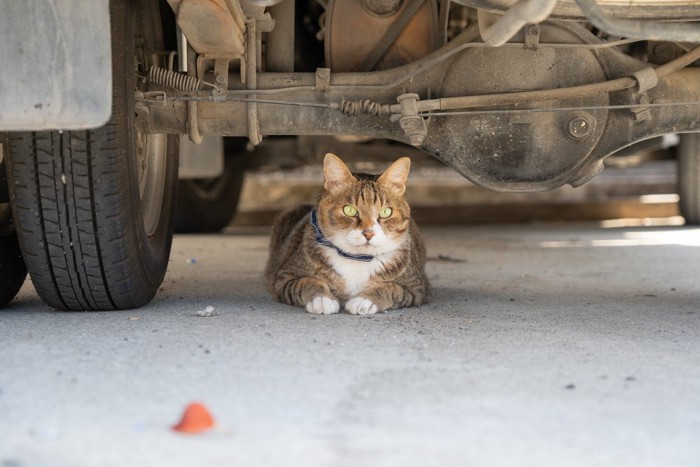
174,80
360,107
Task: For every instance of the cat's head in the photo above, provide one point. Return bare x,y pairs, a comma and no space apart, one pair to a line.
364,214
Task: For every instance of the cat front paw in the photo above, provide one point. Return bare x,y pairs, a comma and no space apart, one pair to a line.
322,305
361,306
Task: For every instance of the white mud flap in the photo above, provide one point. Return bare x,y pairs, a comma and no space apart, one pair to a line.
55,64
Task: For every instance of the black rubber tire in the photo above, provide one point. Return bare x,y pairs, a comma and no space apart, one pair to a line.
12,268
76,197
206,206
688,156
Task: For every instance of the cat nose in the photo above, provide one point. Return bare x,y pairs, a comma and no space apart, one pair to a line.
368,234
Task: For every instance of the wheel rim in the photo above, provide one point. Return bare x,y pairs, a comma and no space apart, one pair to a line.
152,153
151,149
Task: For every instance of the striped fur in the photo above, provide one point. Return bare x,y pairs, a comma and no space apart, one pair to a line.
301,272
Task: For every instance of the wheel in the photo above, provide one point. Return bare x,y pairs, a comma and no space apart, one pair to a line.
689,177
94,209
208,205
12,269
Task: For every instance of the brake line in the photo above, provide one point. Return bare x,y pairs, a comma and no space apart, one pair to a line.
572,92
368,107
557,109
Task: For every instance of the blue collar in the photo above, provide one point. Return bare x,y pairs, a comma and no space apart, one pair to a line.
321,240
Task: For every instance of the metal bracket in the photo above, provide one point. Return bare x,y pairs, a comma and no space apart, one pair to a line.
265,23
646,79
221,64
323,79
220,76
193,123
151,96
532,37
412,124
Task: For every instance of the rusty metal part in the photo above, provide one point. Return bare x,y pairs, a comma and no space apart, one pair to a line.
251,78
358,40
221,74
646,79
515,18
279,43
529,149
193,123
532,38
411,123
175,80
639,29
382,7
323,79
521,148
390,36
580,125
234,8
209,27
567,92
666,10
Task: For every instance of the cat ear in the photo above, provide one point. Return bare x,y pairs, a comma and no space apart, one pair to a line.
395,176
335,173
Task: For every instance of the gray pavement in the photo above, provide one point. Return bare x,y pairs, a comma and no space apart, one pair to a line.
544,345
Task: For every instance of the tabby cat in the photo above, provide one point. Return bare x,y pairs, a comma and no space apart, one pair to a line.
358,247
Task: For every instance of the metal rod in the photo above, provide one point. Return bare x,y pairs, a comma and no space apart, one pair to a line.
251,79
572,92
556,109
639,29
522,13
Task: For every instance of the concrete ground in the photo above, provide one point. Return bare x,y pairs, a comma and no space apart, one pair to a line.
544,345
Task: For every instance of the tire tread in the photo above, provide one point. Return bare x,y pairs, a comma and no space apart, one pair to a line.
77,208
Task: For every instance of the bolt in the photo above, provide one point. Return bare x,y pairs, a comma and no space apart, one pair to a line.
382,7
578,127
220,78
416,140
665,51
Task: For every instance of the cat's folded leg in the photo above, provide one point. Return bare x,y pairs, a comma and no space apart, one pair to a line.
308,292
388,295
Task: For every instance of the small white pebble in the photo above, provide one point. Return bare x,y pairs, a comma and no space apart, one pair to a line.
208,311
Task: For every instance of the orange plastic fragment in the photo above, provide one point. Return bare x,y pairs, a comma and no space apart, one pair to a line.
195,419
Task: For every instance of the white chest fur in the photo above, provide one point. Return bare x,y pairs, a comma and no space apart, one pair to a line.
356,274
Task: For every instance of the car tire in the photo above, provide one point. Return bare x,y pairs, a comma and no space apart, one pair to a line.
689,177
208,205
94,209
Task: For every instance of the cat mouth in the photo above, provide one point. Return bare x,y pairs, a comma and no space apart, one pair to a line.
364,247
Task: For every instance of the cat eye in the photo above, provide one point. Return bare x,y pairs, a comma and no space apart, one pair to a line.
385,213
350,211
